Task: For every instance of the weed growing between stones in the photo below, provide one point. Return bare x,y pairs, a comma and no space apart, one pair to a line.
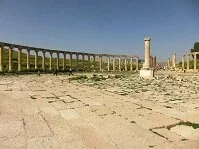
194,125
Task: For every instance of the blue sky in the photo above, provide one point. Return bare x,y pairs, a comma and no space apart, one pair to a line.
102,26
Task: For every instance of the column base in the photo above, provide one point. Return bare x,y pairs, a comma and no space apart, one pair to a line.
147,73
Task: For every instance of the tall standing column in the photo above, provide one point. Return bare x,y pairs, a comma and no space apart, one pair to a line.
28,59
94,61
195,63
147,71
131,64
154,61
183,62
119,63
36,58
77,60
19,59
108,66
1,58
43,59
71,58
57,60
168,63
83,59
174,60
113,63
51,60
88,61
147,41
137,63
64,61
100,63
187,61
151,61
125,64
10,58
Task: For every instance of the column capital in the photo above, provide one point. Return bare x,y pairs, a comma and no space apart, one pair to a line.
36,50
51,52
11,47
1,45
43,51
20,48
28,50
147,39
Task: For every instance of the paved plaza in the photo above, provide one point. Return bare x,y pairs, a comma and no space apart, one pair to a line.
114,111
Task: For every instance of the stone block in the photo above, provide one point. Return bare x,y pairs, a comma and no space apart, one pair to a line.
147,73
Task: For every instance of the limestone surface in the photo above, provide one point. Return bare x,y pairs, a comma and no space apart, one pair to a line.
99,111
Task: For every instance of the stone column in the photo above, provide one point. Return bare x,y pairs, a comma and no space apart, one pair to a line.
51,60
57,60
131,64
71,58
113,63
28,59
64,60
1,58
147,41
36,58
174,60
19,59
154,61
10,58
195,62
94,61
137,63
119,63
83,60
147,71
88,61
108,64
168,63
187,61
43,59
77,60
100,63
125,64
183,62
151,61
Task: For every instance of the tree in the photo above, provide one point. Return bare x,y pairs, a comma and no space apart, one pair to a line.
196,48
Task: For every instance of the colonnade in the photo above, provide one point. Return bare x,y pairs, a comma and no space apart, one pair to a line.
58,53
187,60
119,58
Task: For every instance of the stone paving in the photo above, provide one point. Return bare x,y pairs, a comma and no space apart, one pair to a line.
119,111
